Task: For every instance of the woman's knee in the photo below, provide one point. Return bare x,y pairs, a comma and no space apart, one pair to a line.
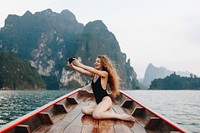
96,115
84,110
108,101
87,110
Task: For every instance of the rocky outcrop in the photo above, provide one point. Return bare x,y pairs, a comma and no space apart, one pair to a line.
46,39
152,72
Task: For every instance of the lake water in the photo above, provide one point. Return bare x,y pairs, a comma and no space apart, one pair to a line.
181,107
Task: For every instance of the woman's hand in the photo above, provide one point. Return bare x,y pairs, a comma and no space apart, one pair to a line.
76,62
78,66
70,65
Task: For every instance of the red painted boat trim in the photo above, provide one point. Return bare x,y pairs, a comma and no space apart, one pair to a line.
156,114
20,120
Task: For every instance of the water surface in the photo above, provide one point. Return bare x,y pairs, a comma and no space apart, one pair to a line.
14,104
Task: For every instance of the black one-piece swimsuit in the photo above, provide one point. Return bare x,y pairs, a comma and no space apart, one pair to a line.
98,91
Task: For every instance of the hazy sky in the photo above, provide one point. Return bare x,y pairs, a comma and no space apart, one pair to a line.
162,32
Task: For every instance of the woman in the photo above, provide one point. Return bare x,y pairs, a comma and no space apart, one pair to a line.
103,75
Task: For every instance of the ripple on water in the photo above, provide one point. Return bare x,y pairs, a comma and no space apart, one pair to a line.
14,104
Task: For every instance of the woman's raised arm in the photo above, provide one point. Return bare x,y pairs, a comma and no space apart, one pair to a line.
90,69
81,70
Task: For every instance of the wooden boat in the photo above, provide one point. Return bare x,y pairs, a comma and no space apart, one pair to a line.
63,115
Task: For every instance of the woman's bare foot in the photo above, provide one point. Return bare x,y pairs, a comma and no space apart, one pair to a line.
126,117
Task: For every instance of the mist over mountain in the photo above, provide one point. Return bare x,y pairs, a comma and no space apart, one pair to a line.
152,72
46,39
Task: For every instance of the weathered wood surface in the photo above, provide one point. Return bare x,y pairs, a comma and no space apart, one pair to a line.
74,121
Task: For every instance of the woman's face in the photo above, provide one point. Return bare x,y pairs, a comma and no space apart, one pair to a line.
98,64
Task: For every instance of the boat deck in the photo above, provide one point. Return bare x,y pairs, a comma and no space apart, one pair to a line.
75,122
65,117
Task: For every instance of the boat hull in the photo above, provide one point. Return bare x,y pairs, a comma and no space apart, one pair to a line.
64,115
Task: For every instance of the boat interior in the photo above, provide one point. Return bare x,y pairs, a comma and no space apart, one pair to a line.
65,117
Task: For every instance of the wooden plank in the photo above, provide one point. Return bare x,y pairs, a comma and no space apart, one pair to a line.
153,123
122,126
33,122
88,120
60,126
70,107
46,126
56,118
75,99
84,93
75,126
127,104
158,125
72,100
89,129
60,108
42,129
22,129
119,110
106,126
139,112
143,116
90,125
175,132
106,129
137,128
106,122
46,118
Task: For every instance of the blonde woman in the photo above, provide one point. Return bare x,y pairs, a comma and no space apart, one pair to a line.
103,75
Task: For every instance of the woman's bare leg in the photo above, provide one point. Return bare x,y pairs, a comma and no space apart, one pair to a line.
88,110
102,111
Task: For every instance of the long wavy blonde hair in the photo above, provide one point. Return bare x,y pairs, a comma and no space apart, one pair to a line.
113,78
